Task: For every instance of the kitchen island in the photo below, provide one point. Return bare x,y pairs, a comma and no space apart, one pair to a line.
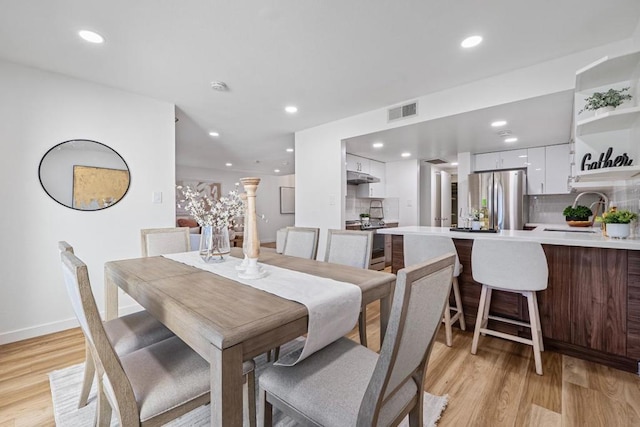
591,307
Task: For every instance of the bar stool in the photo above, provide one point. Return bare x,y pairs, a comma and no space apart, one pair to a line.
420,248
511,266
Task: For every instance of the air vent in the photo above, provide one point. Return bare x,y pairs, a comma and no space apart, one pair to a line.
504,133
403,111
436,161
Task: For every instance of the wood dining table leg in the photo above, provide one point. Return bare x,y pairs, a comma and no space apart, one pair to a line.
110,298
226,386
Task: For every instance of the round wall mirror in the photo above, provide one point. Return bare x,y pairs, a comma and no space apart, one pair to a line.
84,175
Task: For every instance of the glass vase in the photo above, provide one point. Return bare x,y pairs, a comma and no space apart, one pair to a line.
214,243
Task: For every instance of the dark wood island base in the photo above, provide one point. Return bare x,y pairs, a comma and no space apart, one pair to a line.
590,310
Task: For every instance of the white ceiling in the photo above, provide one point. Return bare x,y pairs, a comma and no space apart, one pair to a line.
332,59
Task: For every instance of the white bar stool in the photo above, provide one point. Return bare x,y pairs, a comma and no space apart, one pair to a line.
420,248
512,266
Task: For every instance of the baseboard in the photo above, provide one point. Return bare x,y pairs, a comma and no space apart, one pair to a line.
49,328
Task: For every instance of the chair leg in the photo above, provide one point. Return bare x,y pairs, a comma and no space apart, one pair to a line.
479,319
535,299
87,377
447,325
535,337
416,414
266,411
250,387
103,412
487,305
456,294
362,326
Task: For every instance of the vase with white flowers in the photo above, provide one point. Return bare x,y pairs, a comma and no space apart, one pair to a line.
215,217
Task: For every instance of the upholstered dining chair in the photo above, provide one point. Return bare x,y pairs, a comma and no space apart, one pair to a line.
301,242
346,384
419,248
160,241
149,386
126,334
351,247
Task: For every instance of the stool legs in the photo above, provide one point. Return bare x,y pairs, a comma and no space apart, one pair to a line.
482,321
459,316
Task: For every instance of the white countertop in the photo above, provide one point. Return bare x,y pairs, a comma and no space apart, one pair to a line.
568,238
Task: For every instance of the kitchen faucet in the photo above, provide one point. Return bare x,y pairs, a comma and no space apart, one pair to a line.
603,199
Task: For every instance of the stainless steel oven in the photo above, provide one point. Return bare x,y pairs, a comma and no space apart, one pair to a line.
377,252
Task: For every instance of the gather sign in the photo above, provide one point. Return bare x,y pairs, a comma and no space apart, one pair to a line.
605,161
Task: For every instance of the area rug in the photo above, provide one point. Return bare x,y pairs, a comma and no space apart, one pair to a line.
66,384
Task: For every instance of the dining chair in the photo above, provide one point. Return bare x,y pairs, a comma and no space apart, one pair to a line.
353,248
510,266
419,248
160,241
149,386
346,384
126,334
301,242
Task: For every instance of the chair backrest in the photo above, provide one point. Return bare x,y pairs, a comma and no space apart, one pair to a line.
64,246
76,279
420,248
160,241
418,304
301,242
281,236
349,247
509,264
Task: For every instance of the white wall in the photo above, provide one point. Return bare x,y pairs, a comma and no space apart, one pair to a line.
320,155
636,37
267,195
40,109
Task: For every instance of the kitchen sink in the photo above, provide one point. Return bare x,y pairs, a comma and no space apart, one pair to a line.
571,230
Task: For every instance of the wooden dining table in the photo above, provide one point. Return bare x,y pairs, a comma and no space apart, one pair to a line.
225,321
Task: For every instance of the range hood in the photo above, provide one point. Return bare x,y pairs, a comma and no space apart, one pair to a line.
355,178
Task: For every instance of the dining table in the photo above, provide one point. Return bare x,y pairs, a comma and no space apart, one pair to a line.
225,321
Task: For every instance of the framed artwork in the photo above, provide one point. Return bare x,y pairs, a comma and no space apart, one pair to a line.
213,190
97,188
287,200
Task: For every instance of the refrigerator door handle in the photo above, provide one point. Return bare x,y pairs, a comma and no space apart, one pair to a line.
499,190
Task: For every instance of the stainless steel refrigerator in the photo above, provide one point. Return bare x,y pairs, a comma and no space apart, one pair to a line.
504,192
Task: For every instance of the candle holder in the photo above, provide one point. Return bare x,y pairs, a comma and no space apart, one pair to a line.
252,250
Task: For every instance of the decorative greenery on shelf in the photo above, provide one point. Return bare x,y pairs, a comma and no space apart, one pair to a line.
618,217
364,215
579,213
611,98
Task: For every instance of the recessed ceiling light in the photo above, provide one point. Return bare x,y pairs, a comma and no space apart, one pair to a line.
91,36
471,41
291,109
214,134
524,156
378,145
498,123
289,150
454,163
228,164
276,170
512,139
406,154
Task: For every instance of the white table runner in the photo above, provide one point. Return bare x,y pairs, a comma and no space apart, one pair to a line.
333,306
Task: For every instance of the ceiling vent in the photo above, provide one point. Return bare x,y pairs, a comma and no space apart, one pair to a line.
403,111
504,133
436,161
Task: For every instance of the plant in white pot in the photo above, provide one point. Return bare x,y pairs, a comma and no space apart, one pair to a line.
618,223
606,101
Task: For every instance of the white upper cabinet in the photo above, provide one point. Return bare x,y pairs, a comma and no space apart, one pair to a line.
536,170
548,170
558,169
375,190
358,164
511,159
606,143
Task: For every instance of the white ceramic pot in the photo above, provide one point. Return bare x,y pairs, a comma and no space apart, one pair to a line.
618,231
604,110
475,225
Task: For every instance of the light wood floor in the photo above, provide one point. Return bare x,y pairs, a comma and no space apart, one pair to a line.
497,387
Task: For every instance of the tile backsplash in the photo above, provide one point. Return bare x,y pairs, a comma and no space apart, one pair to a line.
355,206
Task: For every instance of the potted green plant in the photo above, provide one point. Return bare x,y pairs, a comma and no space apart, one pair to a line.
364,218
606,101
618,223
579,213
